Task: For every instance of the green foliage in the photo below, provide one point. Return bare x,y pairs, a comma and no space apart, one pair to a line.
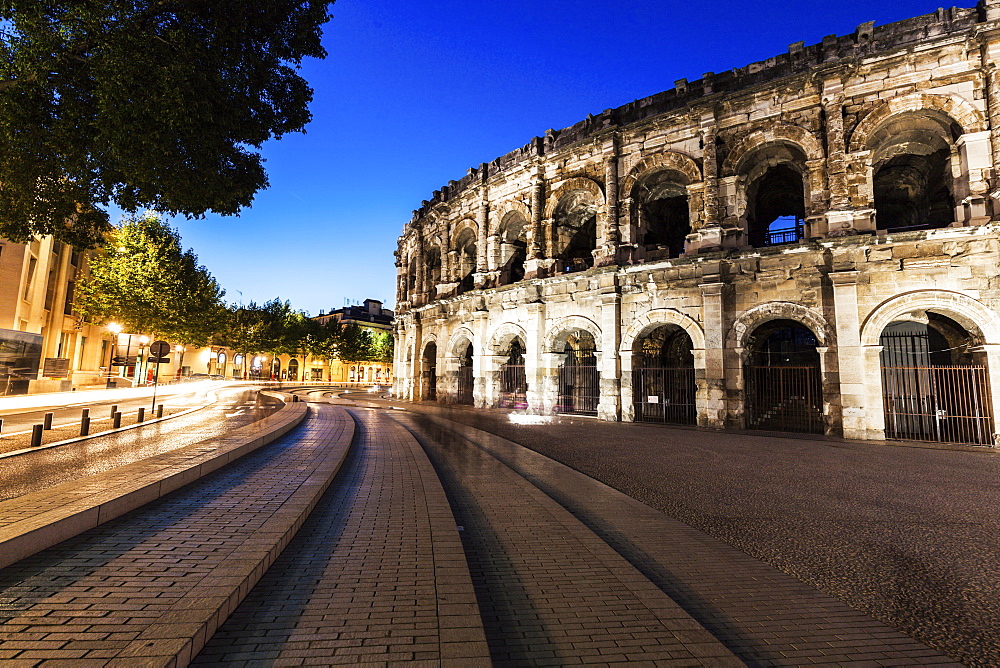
144,280
145,103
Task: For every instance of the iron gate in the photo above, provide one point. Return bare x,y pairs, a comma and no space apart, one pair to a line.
465,381
938,403
579,390
513,386
784,398
664,395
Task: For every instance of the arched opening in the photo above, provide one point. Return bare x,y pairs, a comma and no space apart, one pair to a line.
465,260
579,388
935,385
776,199
275,369
912,171
513,380
782,379
664,217
576,231
293,369
464,394
432,263
428,375
663,377
513,248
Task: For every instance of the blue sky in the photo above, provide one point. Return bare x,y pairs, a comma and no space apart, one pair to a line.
413,93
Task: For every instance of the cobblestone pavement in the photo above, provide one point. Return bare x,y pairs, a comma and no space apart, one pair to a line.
550,591
907,535
32,471
376,575
144,586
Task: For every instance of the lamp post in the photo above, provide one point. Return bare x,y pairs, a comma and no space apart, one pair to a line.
179,349
115,329
143,363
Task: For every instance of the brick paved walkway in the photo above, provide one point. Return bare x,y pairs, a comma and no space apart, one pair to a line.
376,575
763,615
149,587
550,591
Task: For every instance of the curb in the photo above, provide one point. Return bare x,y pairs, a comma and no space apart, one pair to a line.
34,522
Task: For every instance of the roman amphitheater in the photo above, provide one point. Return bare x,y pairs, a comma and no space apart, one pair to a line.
804,244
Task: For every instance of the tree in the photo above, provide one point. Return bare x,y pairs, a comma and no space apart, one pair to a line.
145,103
144,280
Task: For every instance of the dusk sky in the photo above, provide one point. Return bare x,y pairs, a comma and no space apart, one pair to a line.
414,93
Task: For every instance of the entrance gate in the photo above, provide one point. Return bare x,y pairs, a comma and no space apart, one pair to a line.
927,399
465,379
663,377
579,390
513,381
782,380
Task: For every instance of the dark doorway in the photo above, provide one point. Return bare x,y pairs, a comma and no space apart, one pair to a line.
782,379
663,377
579,390
776,207
430,372
513,380
464,395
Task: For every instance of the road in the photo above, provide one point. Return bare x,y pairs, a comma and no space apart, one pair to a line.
234,407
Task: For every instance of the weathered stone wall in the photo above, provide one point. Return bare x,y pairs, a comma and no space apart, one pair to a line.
876,149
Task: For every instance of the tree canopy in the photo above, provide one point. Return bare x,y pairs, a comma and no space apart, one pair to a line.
145,103
143,279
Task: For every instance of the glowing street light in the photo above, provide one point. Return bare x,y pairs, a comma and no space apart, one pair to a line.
115,329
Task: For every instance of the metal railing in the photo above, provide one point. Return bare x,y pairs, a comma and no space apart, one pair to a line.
579,388
465,384
948,403
784,398
664,395
513,386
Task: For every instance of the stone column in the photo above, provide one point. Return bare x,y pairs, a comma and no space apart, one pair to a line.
536,265
607,253
421,287
850,360
609,405
833,105
711,394
975,158
482,223
534,371
480,359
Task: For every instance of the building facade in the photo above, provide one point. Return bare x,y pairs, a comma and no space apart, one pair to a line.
810,243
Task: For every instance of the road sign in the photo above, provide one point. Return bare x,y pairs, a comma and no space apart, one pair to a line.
159,349
159,360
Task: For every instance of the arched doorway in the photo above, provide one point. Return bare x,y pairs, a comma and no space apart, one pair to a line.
579,389
429,375
935,384
513,380
782,379
465,377
663,377
293,369
276,369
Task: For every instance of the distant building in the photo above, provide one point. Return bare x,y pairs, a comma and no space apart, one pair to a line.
369,315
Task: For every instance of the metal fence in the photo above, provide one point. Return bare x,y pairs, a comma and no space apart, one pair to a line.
664,395
949,403
784,398
579,390
513,386
465,382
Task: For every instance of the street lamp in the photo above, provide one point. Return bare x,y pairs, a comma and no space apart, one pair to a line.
143,342
115,329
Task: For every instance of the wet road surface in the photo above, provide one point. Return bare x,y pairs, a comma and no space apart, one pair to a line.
235,407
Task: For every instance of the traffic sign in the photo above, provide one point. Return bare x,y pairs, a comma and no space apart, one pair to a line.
159,349
159,360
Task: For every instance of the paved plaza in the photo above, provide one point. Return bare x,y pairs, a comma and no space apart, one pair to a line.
465,537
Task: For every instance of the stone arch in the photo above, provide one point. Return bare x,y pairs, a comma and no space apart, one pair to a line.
650,320
555,338
743,149
958,109
512,206
589,186
980,321
667,161
455,347
503,335
459,229
758,315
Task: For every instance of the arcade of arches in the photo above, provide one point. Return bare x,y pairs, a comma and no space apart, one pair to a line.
788,248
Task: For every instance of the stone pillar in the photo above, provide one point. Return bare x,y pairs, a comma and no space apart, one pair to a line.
874,401
833,105
536,265
609,405
607,253
482,223
711,394
993,105
975,158
850,359
480,359
993,369
534,371
421,287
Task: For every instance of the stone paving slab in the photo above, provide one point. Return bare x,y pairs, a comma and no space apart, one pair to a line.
149,588
377,575
550,591
763,615
38,520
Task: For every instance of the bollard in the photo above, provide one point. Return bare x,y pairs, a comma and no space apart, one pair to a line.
85,414
114,409
47,422
159,411
1,425
116,420
36,435
85,425
141,416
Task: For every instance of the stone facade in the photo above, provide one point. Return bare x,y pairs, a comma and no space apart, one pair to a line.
792,213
